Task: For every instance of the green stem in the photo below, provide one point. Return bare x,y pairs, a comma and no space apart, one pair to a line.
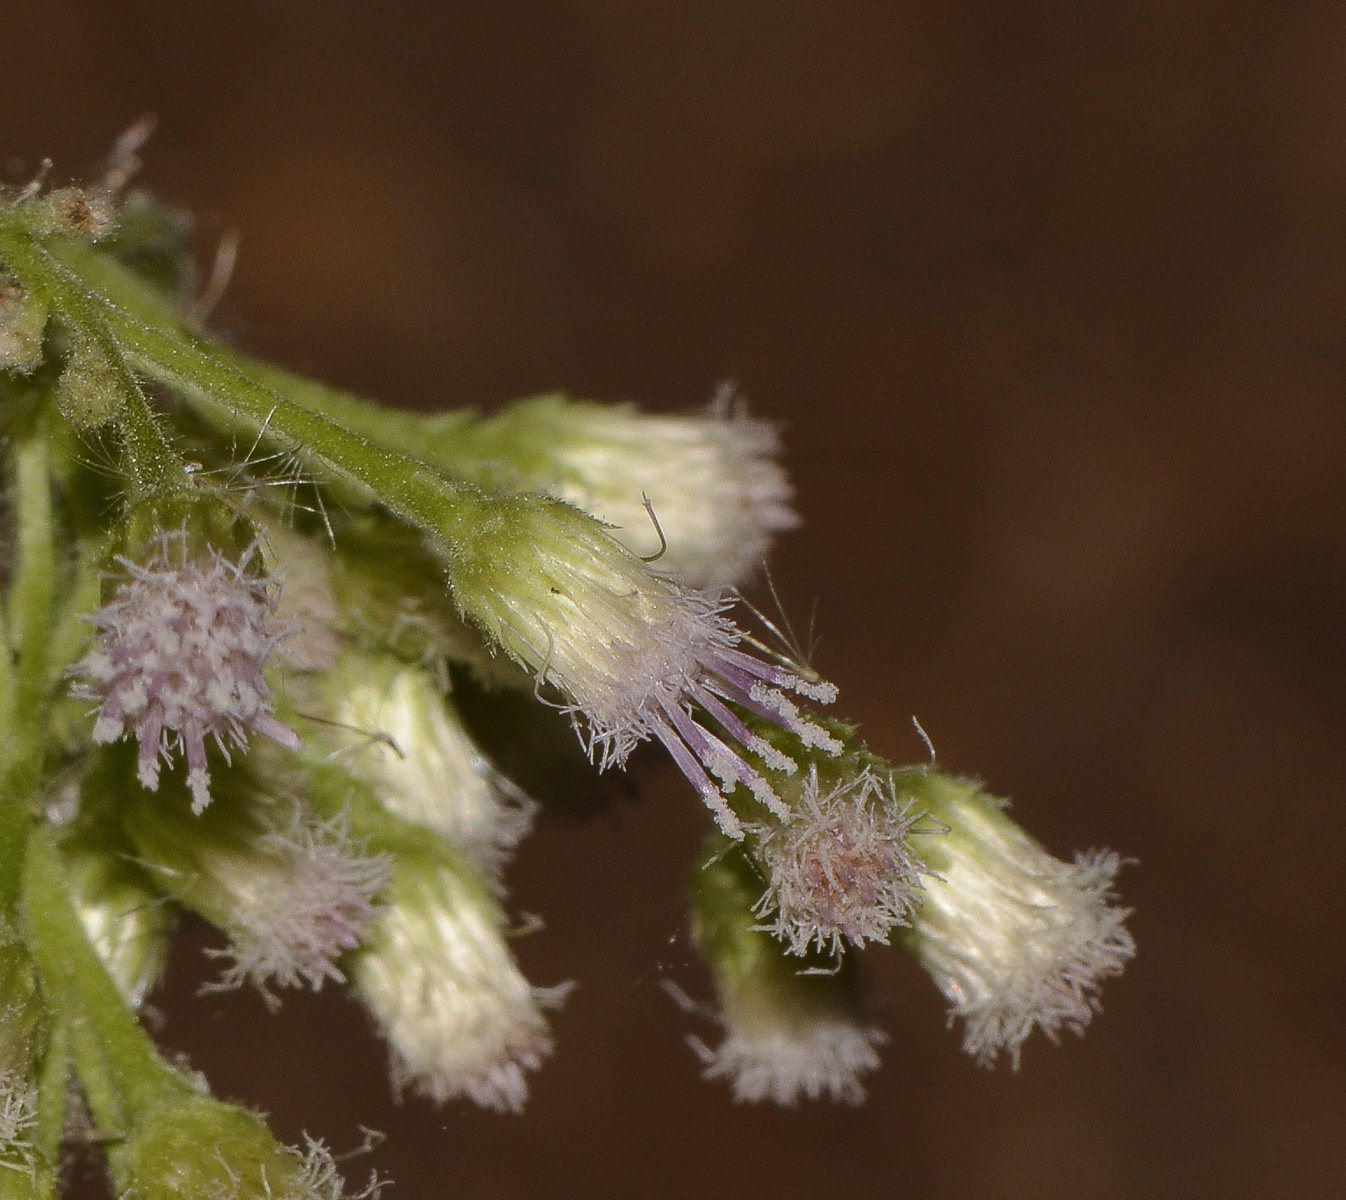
407,434
14,821
122,1073
412,490
348,438
461,521
154,467
33,591
409,488
53,1095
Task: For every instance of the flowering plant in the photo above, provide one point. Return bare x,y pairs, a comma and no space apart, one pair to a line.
238,608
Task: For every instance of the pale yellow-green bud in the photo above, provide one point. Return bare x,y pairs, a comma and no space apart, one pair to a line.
198,1148
395,729
716,494
437,975
1014,938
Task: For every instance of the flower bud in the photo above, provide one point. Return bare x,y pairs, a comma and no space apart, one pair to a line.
1014,938
711,479
438,977
198,1148
293,892
395,729
791,1028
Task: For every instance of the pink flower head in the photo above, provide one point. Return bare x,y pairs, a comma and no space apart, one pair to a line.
839,867
180,654
635,655
687,659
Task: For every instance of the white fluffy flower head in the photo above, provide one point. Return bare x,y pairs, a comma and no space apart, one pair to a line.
839,867
688,658
421,761
300,901
180,655
438,977
712,478
792,1029
820,1059
1014,938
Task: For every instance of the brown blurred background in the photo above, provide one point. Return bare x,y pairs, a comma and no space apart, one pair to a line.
1051,297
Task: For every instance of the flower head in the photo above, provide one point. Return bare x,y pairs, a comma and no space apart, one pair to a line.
395,729
293,891
634,654
1014,938
839,867
791,1027
180,654
438,977
821,1058
307,899
711,478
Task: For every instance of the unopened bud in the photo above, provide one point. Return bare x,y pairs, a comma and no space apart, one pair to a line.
199,1147
439,979
395,729
700,493
293,892
1014,938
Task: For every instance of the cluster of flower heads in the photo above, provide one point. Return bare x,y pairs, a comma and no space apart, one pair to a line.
372,852
843,850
